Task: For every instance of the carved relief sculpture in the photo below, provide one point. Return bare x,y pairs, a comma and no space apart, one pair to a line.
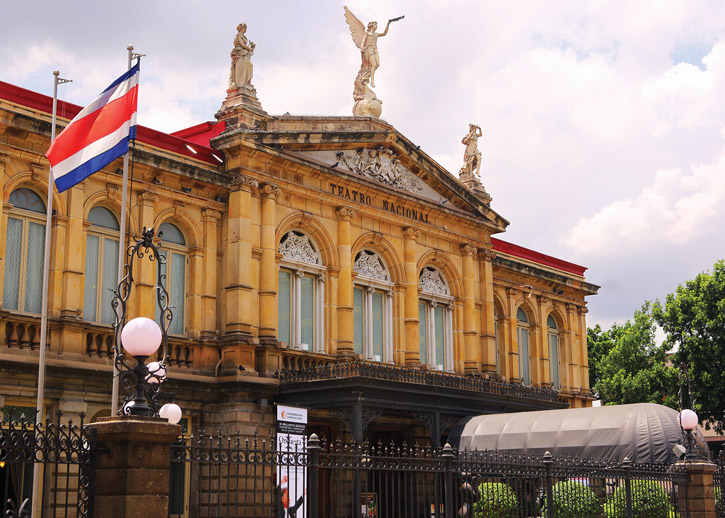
383,165
430,282
297,247
369,265
366,102
241,73
472,156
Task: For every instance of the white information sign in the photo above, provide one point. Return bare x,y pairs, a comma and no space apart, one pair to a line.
291,476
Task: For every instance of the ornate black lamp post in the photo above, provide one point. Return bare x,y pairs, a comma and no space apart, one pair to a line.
688,418
142,337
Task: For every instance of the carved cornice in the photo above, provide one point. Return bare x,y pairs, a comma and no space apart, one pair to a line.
345,213
269,190
411,233
240,181
468,249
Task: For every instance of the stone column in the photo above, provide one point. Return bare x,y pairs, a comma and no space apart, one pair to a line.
412,332
583,370
472,359
488,325
268,266
210,224
696,498
238,260
345,316
574,334
4,169
513,373
132,478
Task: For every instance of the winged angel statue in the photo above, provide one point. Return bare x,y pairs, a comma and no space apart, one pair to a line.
367,41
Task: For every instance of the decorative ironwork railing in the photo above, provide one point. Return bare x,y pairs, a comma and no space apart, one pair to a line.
63,450
388,372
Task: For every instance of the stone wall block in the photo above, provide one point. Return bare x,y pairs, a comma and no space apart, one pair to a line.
133,466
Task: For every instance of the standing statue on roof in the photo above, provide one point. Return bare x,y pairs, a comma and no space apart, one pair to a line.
241,73
472,156
366,102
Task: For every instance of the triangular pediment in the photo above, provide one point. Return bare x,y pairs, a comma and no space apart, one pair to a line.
369,152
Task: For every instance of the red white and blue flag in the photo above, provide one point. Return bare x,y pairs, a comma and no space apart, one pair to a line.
98,135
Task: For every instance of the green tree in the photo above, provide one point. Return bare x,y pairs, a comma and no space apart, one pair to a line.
635,370
693,319
599,343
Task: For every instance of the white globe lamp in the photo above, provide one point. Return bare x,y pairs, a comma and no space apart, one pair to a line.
157,373
141,337
171,411
688,419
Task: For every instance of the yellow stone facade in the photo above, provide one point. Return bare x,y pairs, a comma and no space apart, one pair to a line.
273,175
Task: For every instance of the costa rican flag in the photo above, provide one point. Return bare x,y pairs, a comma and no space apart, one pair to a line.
98,135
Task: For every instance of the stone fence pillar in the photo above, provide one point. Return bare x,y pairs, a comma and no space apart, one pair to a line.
697,497
133,468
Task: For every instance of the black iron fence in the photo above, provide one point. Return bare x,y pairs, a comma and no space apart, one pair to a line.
719,489
63,453
236,477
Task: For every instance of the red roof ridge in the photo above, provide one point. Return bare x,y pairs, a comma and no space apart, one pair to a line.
537,257
166,141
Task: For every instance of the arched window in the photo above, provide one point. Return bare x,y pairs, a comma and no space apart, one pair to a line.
24,249
101,266
522,329
373,308
553,333
435,317
172,239
300,294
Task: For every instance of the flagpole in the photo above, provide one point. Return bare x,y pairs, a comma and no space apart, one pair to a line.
40,403
121,248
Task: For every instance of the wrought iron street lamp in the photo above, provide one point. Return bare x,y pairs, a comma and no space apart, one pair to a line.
141,337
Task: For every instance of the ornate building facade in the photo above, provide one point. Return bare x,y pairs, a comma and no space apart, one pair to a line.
324,262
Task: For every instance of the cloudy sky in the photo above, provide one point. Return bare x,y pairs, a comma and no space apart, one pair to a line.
603,121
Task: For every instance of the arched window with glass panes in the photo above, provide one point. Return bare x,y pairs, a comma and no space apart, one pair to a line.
373,308
435,317
174,247
300,294
24,249
101,274
524,341
553,334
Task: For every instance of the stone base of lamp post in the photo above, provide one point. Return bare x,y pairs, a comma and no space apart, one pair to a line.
697,497
133,472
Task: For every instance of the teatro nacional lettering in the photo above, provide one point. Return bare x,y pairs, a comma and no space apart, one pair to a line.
388,206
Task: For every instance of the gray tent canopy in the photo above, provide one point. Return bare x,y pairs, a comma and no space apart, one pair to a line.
643,432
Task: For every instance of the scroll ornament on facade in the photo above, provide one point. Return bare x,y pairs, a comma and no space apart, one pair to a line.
383,165
431,282
297,247
369,265
366,102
